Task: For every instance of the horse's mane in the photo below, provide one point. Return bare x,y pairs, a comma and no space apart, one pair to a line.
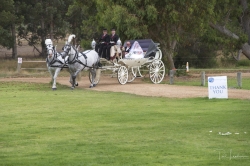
71,37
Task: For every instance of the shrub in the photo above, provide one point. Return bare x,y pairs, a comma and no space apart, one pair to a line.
244,62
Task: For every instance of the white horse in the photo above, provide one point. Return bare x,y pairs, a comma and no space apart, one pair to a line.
79,61
54,61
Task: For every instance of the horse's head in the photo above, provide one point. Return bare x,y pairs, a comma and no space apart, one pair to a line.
67,50
50,47
50,50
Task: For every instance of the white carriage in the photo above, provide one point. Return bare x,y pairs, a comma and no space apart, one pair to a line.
127,69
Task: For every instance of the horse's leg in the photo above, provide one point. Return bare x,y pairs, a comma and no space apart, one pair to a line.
57,71
93,73
52,72
71,73
70,79
74,83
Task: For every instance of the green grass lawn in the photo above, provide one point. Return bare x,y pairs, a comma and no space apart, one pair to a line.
83,127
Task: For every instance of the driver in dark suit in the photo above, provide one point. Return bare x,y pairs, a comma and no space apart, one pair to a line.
102,43
113,40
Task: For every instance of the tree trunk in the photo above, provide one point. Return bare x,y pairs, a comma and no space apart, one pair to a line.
14,48
170,54
246,50
167,55
43,36
246,18
74,32
167,48
245,47
224,30
32,45
51,28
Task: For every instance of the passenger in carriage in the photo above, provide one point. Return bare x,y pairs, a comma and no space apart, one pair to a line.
126,49
135,51
102,44
113,48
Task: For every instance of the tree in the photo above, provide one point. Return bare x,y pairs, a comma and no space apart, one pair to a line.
9,17
6,17
43,18
82,18
233,23
165,21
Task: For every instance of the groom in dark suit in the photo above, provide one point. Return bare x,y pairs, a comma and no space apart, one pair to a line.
126,49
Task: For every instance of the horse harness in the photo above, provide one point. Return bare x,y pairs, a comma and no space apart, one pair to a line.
54,60
75,59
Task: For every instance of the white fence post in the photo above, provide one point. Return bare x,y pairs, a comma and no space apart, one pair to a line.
171,77
19,64
239,79
203,78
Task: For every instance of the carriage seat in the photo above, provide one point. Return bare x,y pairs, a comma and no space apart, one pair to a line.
148,46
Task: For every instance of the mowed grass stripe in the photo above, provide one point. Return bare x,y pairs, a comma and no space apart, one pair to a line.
83,127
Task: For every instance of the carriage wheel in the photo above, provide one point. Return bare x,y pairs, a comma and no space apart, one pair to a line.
97,77
122,75
131,74
156,71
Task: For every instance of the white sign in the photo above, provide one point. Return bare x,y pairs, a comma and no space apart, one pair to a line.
217,87
20,60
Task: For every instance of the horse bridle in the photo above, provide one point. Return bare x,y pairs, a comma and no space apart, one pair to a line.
54,60
67,50
50,48
75,59
68,47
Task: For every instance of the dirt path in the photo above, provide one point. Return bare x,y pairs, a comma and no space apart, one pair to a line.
140,88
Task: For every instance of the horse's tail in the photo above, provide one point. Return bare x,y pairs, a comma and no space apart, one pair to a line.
71,37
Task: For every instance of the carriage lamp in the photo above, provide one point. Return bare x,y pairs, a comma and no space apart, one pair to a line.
119,42
93,43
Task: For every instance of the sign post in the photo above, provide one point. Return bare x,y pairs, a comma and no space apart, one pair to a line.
19,63
217,87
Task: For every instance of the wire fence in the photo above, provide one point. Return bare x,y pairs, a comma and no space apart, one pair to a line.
237,78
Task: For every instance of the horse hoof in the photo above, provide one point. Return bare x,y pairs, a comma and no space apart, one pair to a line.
72,88
94,85
90,86
76,84
53,88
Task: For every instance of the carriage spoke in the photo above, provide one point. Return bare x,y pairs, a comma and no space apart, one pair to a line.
157,71
122,75
161,67
153,75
